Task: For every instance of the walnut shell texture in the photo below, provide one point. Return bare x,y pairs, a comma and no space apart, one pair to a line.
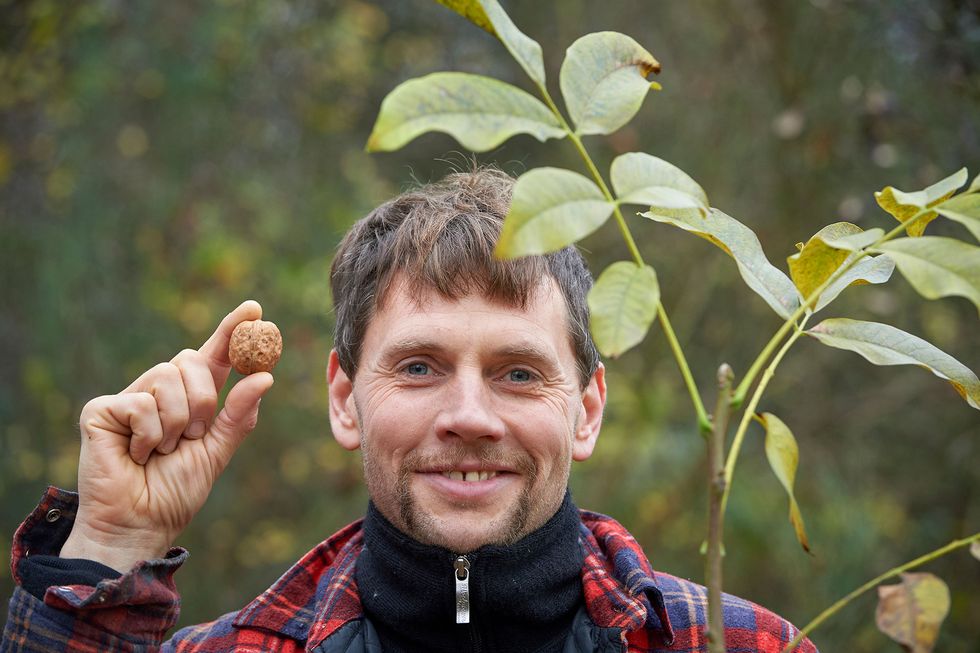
255,346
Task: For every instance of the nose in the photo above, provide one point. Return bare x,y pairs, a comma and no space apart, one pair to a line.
468,411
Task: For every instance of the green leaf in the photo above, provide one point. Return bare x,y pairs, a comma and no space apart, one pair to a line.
640,178
817,261
912,611
623,304
603,80
489,15
853,242
869,270
882,344
551,208
784,456
964,209
741,243
479,112
974,185
902,205
938,267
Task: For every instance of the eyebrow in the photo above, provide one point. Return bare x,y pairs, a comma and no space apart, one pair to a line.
401,348
526,351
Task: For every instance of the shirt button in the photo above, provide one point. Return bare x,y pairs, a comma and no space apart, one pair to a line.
53,515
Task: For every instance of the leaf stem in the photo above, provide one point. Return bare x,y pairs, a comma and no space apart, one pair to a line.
753,404
704,422
836,607
743,387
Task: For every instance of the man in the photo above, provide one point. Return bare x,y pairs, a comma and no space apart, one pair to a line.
469,385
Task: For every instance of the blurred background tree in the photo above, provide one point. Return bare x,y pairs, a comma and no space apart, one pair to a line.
160,162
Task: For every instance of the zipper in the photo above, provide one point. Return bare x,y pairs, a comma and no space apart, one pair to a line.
461,572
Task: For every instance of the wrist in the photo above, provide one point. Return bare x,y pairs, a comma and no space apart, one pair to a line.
118,551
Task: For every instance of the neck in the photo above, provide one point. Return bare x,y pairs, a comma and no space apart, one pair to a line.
520,597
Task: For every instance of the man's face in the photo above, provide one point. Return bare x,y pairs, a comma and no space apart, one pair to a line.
468,414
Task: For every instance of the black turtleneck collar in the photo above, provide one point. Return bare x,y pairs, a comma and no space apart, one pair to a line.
523,597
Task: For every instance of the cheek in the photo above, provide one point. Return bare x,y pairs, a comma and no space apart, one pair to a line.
549,442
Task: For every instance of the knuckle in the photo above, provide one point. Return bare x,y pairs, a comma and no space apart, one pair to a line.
144,401
166,370
93,406
184,354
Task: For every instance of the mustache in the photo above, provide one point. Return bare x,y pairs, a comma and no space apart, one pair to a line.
486,453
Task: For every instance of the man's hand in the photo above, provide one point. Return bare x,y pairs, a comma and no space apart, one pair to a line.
151,453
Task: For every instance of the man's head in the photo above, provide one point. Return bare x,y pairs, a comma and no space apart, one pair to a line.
449,363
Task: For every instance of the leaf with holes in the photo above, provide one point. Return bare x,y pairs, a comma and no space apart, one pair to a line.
902,205
551,208
640,178
604,81
784,456
741,243
883,344
479,112
912,611
623,304
938,267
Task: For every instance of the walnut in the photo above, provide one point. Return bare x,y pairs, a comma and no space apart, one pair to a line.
255,346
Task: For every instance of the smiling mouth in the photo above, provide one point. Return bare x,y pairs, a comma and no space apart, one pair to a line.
469,477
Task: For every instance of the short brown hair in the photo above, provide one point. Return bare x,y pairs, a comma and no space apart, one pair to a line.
442,236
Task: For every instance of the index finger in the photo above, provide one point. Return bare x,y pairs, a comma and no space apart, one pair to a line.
215,350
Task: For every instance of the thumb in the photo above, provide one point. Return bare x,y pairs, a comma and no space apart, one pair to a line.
237,419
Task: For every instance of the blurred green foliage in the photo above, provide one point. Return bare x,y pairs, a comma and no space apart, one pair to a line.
160,162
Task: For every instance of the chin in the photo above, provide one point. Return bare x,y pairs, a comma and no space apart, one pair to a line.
466,533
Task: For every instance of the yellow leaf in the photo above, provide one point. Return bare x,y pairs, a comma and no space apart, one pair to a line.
903,205
472,11
912,612
784,456
817,260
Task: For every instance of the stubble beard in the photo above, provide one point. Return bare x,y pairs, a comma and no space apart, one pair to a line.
419,524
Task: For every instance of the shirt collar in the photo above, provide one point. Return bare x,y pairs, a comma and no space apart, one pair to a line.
318,594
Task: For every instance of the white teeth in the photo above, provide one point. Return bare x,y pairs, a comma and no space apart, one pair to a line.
469,477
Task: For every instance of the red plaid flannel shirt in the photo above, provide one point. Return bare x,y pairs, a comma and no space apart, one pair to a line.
654,612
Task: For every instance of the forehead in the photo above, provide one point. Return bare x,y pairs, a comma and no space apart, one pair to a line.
408,313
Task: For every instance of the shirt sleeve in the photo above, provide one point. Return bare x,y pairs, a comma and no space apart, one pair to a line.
128,613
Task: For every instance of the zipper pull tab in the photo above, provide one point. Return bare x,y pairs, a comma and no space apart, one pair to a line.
461,572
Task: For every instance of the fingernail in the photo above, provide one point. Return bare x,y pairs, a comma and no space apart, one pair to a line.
196,429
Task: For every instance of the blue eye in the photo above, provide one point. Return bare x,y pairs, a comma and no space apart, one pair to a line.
519,376
417,369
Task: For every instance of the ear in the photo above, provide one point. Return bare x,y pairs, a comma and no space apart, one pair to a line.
343,413
590,419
